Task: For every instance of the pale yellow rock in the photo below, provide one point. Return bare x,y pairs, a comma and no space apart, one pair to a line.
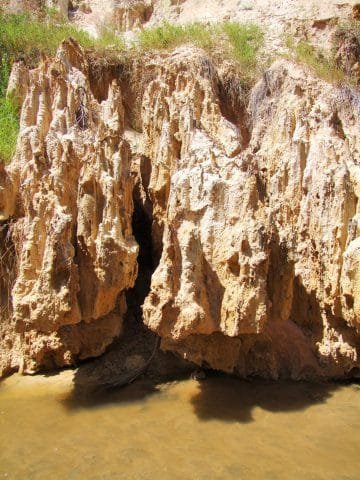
260,246
61,5
130,14
18,83
7,195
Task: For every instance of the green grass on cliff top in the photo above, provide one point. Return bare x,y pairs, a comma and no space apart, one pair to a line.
325,64
27,37
238,42
24,36
9,122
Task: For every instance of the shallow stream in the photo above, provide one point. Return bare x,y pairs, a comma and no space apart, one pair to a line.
214,429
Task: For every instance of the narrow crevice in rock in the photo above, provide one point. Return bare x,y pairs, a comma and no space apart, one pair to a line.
102,71
141,225
233,97
7,268
131,352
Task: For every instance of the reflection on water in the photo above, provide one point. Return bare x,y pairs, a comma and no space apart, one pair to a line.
217,429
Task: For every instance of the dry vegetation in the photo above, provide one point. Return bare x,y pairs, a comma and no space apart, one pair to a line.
8,268
27,36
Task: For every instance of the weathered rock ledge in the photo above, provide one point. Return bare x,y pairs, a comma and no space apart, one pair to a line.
253,206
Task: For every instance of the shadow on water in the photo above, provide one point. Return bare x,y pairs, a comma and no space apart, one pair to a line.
232,400
215,398
89,398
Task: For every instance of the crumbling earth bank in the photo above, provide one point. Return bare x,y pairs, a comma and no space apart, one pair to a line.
252,206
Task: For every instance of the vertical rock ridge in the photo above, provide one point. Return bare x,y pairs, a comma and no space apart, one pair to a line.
253,215
71,172
260,232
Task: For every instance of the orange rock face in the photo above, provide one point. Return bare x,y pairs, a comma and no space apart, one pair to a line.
71,180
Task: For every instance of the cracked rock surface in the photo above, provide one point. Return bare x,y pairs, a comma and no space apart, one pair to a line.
248,208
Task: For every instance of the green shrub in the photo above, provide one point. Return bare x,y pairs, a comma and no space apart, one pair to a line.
245,42
21,34
169,36
238,42
9,129
321,63
108,39
28,36
201,35
9,122
4,74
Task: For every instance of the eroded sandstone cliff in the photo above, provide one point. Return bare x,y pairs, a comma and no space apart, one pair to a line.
67,197
258,273
251,199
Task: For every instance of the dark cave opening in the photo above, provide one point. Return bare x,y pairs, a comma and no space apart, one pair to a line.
136,352
142,230
142,226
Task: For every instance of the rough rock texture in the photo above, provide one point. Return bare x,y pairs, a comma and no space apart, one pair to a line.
75,251
15,6
306,19
61,5
18,83
248,205
259,270
131,14
7,195
348,53
303,19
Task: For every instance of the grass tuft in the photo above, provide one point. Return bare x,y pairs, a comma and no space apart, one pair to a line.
245,42
108,40
22,34
334,66
9,129
26,37
9,119
322,64
168,36
240,43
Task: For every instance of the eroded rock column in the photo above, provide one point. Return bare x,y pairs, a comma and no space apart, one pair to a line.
258,272
76,251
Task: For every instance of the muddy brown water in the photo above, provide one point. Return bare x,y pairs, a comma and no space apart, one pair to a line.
215,429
